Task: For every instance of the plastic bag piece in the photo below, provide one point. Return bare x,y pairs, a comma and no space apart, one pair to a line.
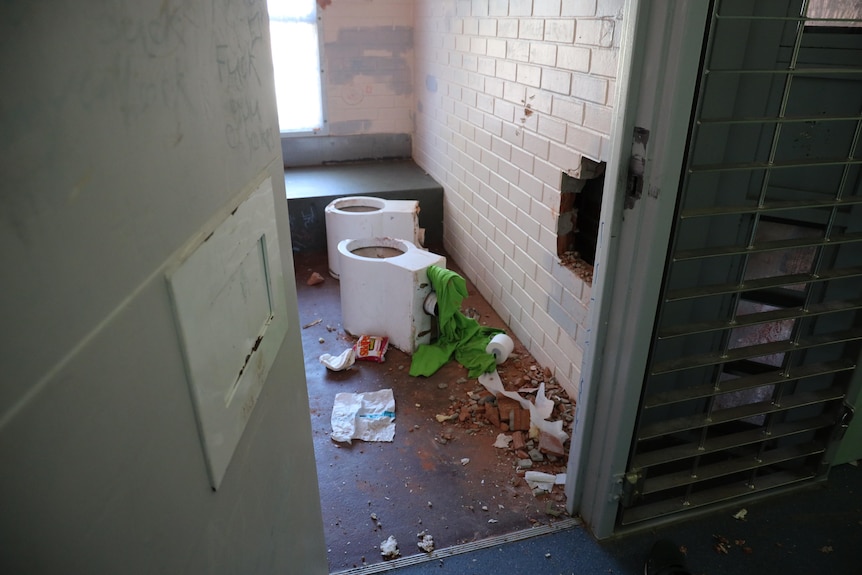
371,348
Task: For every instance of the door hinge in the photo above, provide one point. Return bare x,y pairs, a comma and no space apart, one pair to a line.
627,487
843,423
637,167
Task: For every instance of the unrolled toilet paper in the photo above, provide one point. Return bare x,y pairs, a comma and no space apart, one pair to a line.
500,346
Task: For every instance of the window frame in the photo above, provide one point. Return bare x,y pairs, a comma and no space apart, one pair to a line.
324,128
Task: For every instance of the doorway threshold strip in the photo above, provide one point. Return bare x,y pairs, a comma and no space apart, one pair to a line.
441,554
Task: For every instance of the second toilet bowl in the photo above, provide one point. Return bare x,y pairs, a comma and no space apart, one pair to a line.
368,217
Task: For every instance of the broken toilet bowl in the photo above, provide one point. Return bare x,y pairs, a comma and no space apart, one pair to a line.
384,283
368,217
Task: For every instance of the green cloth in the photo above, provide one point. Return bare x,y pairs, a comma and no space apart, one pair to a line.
458,334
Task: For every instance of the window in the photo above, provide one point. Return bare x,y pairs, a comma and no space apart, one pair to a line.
296,61
844,10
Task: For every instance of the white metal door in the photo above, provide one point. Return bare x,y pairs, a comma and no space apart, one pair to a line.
758,329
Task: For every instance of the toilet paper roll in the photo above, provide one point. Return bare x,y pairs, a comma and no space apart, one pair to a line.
430,303
500,346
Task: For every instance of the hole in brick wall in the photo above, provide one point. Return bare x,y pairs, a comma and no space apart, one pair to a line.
578,225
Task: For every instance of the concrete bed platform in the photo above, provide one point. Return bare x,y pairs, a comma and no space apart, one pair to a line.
310,189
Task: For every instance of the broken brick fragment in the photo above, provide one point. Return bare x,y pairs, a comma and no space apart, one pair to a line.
518,442
522,420
551,444
492,414
315,279
465,414
507,408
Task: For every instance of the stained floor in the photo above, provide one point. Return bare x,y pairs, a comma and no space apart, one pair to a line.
445,479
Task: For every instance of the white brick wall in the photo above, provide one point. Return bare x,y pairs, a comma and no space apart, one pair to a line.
548,69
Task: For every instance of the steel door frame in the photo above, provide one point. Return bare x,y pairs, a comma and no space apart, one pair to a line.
659,62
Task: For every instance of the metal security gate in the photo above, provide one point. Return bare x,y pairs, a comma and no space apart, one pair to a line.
760,315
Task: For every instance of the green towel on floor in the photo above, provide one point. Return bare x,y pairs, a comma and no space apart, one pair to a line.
458,334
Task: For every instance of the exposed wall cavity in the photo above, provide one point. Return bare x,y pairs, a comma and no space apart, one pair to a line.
380,52
578,221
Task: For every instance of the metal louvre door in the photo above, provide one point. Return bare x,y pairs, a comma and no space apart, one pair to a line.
760,315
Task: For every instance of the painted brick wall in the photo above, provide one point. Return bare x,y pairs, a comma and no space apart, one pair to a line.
368,65
510,94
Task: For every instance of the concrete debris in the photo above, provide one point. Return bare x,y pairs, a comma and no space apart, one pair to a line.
581,268
426,543
503,441
389,548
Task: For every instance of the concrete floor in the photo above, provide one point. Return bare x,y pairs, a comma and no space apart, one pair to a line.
418,482
813,530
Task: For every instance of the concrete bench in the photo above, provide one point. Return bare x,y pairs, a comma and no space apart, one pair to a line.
310,189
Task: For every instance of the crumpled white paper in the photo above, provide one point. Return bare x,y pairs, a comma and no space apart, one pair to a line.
539,412
367,416
339,362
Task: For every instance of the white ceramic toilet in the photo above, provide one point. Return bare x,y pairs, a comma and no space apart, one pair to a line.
368,217
384,283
